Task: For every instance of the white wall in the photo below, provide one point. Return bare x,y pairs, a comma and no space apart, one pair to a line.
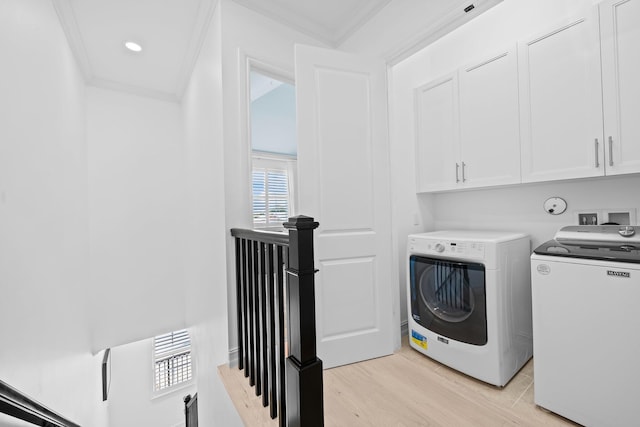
206,259
520,208
137,216
516,208
131,398
245,34
44,229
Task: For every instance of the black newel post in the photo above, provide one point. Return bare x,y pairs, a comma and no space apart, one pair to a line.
304,369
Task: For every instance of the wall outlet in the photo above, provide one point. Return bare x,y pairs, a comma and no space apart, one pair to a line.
622,216
589,218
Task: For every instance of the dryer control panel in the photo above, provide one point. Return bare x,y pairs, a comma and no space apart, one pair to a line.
449,248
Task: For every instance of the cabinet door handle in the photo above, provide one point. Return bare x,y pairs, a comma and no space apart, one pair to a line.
610,151
457,169
463,177
597,162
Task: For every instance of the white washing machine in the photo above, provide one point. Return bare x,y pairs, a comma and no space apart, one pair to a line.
586,321
469,301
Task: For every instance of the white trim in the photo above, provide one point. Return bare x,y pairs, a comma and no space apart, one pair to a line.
322,33
442,27
206,10
246,62
69,25
359,22
267,155
174,388
133,90
68,22
233,356
404,328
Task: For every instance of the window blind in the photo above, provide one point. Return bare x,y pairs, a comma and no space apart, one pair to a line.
172,359
270,196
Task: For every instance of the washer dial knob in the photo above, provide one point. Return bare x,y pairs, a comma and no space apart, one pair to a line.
625,231
439,247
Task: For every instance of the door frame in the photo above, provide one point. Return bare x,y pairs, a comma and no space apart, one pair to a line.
247,63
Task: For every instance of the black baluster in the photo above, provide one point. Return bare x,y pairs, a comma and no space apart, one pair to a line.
245,309
263,329
273,399
251,312
239,311
280,286
256,317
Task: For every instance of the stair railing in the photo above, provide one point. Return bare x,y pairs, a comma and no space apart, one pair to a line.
18,405
290,385
191,410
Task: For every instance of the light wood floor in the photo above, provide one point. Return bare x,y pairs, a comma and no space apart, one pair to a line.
407,389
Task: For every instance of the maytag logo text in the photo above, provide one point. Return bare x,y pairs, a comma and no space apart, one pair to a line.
618,273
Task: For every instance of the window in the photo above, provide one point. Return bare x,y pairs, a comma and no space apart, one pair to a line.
272,122
272,185
172,359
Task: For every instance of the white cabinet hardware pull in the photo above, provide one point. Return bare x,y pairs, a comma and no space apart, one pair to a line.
463,177
597,162
610,151
457,168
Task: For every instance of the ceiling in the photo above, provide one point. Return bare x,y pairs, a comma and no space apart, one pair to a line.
171,31
168,30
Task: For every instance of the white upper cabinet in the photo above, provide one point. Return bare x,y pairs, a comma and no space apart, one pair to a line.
467,126
489,128
561,102
437,130
620,38
564,104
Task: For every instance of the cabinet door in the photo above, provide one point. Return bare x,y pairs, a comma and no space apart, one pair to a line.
620,36
437,137
489,121
561,102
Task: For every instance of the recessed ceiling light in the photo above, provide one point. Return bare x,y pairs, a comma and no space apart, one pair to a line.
133,46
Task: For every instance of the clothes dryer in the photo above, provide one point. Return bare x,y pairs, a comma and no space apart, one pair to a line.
469,301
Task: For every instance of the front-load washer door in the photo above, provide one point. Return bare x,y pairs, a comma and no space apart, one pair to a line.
448,298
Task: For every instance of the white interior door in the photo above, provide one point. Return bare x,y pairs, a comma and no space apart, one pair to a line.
343,168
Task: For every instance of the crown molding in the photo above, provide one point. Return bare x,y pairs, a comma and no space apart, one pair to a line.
440,28
206,10
358,22
134,90
70,27
286,19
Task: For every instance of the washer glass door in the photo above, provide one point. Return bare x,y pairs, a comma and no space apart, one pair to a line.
448,298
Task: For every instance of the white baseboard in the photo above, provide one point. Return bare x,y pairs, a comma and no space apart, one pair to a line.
404,328
233,357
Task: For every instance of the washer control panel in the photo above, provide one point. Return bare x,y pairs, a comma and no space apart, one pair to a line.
448,248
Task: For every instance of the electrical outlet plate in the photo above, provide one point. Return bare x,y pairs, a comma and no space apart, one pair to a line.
589,218
622,216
